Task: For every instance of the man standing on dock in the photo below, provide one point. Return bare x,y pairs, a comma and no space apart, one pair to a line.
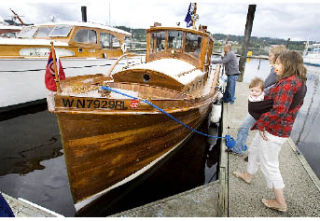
232,71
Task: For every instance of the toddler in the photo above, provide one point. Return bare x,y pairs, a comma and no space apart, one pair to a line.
256,88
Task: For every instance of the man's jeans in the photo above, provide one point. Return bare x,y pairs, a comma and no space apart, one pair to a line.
230,89
243,132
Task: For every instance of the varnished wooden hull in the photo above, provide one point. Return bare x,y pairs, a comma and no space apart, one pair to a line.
103,151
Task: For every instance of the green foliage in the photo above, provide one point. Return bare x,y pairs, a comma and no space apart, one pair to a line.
259,46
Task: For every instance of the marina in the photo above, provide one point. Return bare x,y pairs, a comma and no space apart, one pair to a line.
57,186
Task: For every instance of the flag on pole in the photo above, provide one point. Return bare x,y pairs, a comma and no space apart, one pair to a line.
50,74
190,12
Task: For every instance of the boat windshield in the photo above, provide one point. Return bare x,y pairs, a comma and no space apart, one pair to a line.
193,44
60,31
157,41
175,39
43,32
27,32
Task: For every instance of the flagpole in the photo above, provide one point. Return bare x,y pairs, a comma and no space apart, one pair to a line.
57,80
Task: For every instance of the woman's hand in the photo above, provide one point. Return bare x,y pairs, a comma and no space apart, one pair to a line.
263,135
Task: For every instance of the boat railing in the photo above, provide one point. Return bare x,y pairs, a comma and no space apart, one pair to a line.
118,65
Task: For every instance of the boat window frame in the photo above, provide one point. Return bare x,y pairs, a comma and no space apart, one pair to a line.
60,27
87,37
28,28
46,35
154,42
182,40
197,52
112,41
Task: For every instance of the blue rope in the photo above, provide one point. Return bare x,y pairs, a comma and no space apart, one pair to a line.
227,137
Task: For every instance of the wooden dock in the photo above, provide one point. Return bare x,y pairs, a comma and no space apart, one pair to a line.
302,190
24,208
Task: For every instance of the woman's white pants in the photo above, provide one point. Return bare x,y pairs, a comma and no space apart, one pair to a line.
265,155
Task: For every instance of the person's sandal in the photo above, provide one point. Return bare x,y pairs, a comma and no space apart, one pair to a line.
278,208
240,176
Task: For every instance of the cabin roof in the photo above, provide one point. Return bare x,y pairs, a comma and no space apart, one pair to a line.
10,27
17,41
88,24
181,71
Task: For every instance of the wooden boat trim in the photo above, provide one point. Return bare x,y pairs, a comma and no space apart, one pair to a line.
90,199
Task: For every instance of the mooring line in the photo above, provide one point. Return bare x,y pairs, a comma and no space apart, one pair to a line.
227,137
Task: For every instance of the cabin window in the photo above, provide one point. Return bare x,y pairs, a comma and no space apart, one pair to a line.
109,41
60,31
43,32
193,44
27,32
175,39
157,41
86,36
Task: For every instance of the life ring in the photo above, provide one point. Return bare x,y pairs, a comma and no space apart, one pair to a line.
124,48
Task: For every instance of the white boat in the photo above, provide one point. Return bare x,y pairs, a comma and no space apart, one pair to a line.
311,54
83,48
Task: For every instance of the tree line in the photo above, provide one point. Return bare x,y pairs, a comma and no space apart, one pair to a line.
258,45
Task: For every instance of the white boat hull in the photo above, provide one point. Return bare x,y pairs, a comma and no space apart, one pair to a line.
22,80
312,59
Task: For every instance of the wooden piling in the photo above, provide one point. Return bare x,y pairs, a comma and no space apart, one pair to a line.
247,35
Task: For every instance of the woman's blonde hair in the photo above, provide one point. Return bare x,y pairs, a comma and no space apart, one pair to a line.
276,50
257,82
292,63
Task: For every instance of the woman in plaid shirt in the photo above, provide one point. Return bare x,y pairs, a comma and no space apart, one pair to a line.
275,127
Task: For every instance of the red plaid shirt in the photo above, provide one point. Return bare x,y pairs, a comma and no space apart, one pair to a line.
279,120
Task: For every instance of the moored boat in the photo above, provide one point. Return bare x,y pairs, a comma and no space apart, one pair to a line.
83,48
311,54
110,132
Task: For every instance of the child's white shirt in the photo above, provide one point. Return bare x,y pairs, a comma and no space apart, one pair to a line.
256,99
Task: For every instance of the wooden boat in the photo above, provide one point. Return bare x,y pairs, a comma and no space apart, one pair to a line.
110,138
82,46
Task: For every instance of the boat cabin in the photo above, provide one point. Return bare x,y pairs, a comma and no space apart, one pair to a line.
190,45
177,58
78,39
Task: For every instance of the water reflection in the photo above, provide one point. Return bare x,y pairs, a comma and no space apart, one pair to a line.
212,158
28,140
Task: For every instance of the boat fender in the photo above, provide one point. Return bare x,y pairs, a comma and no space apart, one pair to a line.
215,115
124,48
230,142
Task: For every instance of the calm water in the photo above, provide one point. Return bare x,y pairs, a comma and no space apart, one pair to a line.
32,161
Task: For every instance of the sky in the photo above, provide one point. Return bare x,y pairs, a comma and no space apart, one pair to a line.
296,20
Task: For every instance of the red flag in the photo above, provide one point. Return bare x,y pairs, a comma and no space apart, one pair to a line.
50,76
